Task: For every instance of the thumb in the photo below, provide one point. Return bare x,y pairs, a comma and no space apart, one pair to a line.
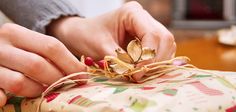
110,48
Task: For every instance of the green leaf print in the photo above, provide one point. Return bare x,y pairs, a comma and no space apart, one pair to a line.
201,76
170,92
16,101
139,106
119,90
225,83
100,79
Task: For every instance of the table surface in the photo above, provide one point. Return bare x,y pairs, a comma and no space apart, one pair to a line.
208,53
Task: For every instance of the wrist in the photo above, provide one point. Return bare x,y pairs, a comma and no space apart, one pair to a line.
59,27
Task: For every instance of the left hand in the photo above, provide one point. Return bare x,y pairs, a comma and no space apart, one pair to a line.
100,36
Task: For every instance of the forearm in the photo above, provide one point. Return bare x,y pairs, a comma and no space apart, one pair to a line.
36,14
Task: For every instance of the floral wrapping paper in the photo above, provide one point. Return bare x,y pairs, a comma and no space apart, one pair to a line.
188,90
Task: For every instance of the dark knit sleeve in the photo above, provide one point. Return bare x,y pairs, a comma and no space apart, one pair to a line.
36,14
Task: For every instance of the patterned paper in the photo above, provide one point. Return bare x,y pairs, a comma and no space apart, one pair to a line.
178,91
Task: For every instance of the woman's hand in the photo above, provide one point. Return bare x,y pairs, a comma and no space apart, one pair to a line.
101,35
29,61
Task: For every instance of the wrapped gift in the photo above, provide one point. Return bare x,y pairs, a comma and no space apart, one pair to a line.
187,90
167,86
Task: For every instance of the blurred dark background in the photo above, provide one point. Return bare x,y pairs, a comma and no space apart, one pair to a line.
195,25
194,14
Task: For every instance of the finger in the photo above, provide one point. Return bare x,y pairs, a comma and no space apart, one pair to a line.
109,47
45,46
16,83
32,65
165,49
3,98
163,54
139,75
152,34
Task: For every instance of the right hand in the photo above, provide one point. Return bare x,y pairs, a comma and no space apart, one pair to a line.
30,60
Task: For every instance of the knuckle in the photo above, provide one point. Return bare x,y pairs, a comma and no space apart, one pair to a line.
131,7
154,33
17,84
2,51
174,47
164,37
53,46
133,4
169,37
7,28
35,65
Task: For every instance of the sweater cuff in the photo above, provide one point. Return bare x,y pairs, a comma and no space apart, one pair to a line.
55,11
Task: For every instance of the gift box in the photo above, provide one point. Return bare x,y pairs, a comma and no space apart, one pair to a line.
182,90
167,86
